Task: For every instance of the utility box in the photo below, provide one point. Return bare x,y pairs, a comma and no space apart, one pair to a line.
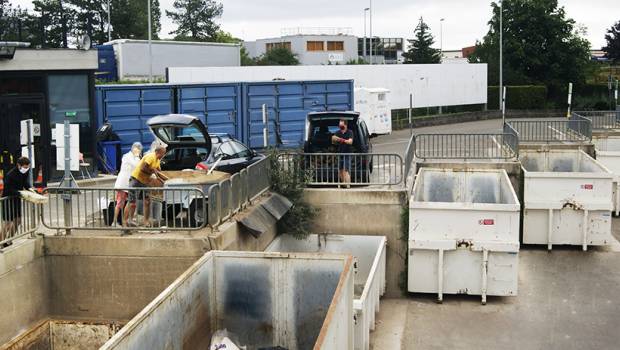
266,300
369,252
567,199
463,233
375,110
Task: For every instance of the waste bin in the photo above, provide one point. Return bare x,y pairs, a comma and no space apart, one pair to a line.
111,154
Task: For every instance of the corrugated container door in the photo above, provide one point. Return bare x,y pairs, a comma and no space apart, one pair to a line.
257,95
129,109
216,105
291,114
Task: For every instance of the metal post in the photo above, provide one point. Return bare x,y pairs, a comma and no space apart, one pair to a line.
150,49
109,23
364,44
68,181
441,38
371,38
504,106
410,112
570,99
29,145
501,51
265,126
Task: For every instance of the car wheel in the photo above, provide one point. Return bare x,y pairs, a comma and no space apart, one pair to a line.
197,213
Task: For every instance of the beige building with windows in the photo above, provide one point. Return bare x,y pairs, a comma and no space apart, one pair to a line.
313,46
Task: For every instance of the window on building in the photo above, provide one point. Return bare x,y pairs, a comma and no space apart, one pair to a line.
335,46
284,44
315,46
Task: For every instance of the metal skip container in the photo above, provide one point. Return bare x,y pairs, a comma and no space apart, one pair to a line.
369,252
463,233
608,154
567,199
264,300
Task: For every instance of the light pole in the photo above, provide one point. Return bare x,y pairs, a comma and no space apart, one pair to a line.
364,44
371,38
150,49
441,37
501,53
109,24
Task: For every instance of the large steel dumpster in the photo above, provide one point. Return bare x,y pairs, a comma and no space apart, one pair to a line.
267,300
463,233
567,199
608,154
369,252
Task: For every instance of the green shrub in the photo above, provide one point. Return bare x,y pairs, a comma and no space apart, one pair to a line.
519,97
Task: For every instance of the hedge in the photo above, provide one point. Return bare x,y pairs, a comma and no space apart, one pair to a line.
519,97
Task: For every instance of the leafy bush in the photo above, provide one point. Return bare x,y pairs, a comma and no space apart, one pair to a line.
519,97
290,181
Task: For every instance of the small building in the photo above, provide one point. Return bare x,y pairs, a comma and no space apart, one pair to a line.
45,85
384,50
313,46
132,56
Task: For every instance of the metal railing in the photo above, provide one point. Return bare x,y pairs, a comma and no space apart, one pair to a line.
93,208
467,146
574,129
18,218
601,120
364,168
409,156
232,195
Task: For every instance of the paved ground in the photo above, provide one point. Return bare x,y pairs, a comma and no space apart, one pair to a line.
568,299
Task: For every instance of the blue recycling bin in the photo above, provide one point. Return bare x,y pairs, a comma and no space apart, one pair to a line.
111,152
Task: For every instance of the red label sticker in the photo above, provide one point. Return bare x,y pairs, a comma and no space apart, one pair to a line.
487,222
587,187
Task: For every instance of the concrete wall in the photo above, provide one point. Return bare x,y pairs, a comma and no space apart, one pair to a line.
365,212
298,47
431,84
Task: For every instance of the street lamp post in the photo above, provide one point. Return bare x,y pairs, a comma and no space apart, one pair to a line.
364,44
441,38
371,38
109,24
150,49
501,53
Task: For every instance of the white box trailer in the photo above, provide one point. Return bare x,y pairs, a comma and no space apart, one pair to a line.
567,199
463,233
374,107
266,300
608,154
369,252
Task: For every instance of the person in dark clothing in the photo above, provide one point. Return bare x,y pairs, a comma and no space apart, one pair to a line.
14,181
344,139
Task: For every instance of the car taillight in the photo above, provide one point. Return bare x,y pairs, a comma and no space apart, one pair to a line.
201,166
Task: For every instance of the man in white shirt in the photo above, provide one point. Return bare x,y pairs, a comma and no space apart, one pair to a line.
128,164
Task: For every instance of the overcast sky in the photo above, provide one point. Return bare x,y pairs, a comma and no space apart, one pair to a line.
465,20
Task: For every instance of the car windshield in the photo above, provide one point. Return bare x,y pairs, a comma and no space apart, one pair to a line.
174,133
320,128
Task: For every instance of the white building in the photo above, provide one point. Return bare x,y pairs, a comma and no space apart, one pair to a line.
133,63
313,46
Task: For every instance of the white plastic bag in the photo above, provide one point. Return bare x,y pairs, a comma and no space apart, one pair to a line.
221,341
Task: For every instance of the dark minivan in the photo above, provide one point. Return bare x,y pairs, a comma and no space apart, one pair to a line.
320,128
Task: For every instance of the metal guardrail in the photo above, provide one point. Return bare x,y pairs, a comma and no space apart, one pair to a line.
601,120
232,195
92,208
18,218
364,168
574,129
409,156
467,146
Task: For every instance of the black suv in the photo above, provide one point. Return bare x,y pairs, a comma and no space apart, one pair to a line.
320,128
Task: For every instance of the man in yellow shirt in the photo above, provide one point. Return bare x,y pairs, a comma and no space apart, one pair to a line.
141,177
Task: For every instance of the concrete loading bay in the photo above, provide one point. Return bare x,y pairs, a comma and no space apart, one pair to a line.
567,298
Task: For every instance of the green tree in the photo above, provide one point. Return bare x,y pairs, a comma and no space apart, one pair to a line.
246,60
56,18
195,19
91,19
130,21
612,50
279,56
541,46
421,51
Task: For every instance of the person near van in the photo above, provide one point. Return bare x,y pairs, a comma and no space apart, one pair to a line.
128,163
344,139
149,166
15,180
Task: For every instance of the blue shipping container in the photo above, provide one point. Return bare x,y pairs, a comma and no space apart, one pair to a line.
287,104
107,63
